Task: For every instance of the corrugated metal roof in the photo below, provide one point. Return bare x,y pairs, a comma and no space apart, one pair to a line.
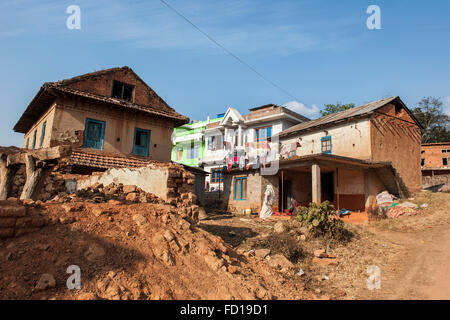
329,119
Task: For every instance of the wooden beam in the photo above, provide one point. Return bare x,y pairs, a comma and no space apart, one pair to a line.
44,154
5,177
34,177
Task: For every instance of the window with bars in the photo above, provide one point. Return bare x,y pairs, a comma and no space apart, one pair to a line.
216,175
263,133
240,188
326,144
122,91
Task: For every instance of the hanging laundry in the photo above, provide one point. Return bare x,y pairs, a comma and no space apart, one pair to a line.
256,163
293,147
241,162
229,164
284,149
263,161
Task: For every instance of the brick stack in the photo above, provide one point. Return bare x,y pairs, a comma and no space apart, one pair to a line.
14,220
180,183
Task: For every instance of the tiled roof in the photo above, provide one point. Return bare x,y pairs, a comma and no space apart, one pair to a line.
343,115
106,161
151,110
49,90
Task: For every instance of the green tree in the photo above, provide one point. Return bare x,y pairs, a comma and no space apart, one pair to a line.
333,108
435,122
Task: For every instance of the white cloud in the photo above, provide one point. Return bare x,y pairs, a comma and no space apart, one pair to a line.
302,109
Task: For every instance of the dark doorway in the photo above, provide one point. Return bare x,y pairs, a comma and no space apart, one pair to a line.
287,195
327,182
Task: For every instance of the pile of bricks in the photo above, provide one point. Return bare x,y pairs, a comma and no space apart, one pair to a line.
14,220
181,192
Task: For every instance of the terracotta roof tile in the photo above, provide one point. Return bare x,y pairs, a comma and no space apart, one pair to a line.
106,161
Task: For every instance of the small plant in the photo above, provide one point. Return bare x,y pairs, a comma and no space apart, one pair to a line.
321,220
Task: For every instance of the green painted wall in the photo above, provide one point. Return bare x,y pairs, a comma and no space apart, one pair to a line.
185,145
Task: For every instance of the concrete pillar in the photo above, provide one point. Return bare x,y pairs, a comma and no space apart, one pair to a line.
315,182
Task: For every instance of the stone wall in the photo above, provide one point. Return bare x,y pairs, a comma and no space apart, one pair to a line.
15,221
166,181
436,182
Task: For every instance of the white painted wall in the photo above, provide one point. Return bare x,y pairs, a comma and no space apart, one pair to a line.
149,179
348,140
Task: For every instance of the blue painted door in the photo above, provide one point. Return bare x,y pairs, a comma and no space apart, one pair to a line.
94,133
141,142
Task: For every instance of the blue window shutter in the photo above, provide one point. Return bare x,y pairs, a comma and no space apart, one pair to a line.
269,132
141,145
28,142
42,134
94,133
34,139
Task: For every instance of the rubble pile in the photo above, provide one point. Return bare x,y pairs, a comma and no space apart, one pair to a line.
131,251
113,191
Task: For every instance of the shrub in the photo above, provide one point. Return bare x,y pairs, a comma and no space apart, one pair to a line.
321,220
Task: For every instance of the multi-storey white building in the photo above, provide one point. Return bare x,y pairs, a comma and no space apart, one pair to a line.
244,139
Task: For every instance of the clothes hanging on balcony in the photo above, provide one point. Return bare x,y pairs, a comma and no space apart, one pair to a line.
229,164
241,162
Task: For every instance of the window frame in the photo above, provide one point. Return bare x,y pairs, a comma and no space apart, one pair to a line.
179,152
445,160
123,84
326,139
41,143
34,138
267,133
219,142
217,175
241,179
102,135
136,130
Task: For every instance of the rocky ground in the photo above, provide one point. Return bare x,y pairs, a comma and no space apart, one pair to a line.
128,247
411,252
133,251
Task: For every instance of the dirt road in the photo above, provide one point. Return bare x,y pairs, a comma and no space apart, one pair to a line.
424,271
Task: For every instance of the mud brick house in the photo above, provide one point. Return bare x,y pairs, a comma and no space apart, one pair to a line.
111,118
435,164
346,158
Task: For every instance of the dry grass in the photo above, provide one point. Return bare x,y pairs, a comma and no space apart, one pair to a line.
437,212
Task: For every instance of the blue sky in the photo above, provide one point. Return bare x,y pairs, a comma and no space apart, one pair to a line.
319,50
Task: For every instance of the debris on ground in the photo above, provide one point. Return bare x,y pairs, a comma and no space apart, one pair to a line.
134,251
